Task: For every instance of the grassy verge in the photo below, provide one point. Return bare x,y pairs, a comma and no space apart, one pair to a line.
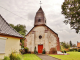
71,56
30,57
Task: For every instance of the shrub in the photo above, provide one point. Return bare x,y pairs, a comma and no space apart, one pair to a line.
29,52
35,52
22,51
43,51
70,50
73,49
6,58
78,50
15,56
64,51
26,49
53,51
19,57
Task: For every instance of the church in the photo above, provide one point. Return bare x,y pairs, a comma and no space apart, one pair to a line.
41,36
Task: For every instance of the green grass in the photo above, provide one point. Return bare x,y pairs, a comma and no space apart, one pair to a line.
71,56
30,57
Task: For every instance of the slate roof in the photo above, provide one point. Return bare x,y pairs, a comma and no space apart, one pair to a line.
42,25
6,29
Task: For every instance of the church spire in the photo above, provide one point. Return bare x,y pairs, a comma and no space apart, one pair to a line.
40,17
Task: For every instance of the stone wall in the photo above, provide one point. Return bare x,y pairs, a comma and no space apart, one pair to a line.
49,38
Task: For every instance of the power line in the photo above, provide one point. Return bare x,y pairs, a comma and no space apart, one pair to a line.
12,12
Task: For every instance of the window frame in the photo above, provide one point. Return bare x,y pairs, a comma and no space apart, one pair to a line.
3,42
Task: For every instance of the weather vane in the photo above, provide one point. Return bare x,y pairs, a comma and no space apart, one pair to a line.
40,3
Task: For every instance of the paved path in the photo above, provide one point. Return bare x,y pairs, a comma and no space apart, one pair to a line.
46,57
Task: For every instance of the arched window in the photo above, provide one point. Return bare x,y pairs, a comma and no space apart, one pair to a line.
39,20
40,37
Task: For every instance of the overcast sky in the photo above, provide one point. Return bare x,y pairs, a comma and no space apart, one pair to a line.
23,12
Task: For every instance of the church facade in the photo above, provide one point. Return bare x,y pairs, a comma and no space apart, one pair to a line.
41,36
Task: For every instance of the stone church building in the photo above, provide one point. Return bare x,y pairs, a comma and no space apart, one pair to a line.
41,36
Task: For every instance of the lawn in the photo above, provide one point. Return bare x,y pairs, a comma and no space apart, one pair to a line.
30,57
71,56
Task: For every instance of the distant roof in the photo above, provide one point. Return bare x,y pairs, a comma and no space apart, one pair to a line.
78,44
6,29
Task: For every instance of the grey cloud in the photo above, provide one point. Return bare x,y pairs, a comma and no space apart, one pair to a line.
31,16
28,28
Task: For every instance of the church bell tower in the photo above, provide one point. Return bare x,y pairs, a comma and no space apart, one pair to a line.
40,18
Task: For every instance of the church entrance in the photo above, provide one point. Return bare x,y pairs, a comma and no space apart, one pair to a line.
40,48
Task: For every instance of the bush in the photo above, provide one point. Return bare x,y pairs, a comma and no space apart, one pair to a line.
43,51
64,51
29,52
26,49
73,49
15,56
53,51
22,51
35,52
6,58
78,50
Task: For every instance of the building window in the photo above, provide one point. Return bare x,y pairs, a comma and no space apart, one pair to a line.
39,20
40,37
2,44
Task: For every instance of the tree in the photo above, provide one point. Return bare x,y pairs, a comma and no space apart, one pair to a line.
12,25
74,45
65,45
70,44
71,10
19,28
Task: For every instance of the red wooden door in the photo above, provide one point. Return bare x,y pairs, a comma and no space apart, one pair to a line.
40,48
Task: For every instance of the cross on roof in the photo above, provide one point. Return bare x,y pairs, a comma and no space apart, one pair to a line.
40,3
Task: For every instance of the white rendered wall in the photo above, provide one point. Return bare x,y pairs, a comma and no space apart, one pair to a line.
48,39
